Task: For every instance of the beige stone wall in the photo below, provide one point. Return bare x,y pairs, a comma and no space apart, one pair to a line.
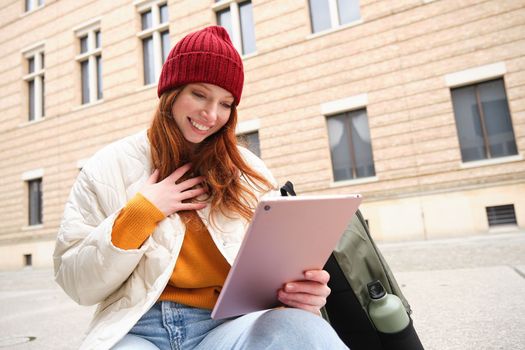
12,255
446,213
398,55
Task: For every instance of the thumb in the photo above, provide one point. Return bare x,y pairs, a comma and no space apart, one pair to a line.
153,177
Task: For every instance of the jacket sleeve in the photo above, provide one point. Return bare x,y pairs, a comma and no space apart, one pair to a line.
87,265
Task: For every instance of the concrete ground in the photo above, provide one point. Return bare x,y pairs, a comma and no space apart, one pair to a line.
466,293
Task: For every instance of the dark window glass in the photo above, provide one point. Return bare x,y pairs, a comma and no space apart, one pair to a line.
31,64
31,96
40,2
497,119
224,19
247,27
84,44
99,77
35,201
251,141
84,67
149,69
164,14
98,39
29,5
28,260
483,121
165,36
42,60
348,11
350,146
319,15
468,124
147,20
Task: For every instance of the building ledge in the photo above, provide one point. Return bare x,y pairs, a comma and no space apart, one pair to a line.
354,182
493,161
87,105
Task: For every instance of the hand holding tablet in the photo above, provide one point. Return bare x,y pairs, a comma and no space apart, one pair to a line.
287,236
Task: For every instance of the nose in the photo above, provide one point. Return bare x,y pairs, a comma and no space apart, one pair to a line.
210,113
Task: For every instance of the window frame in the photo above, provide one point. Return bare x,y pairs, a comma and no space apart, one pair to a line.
88,30
236,35
335,22
353,157
37,76
472,76
34,5
28,177
482,119
342,106
155,32
249,127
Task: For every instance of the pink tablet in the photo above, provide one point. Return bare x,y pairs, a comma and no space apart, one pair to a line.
287,236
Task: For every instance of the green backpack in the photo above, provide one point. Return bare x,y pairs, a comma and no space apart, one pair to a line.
355,262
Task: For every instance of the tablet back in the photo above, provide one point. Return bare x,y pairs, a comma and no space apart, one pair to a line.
287,236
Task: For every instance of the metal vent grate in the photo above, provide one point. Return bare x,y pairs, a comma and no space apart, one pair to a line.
501,215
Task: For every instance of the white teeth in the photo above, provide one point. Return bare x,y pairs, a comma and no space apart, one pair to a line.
199,126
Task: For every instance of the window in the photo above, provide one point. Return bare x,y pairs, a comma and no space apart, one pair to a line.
250,140
247,132
326,14
28,260
155,37
483,121
237,18
35,201
90,61
31,5
35,82
350,145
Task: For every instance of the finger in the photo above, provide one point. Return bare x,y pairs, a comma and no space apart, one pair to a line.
309,308
153,177
312,288
302,299
190,194
190,183
190,206
320,276
178,173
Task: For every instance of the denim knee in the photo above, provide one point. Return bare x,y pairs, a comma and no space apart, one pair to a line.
293,328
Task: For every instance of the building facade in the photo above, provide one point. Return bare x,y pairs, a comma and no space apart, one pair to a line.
419,105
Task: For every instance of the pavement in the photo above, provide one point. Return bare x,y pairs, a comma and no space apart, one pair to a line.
466,293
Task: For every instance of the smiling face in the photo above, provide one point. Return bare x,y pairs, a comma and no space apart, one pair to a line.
201,109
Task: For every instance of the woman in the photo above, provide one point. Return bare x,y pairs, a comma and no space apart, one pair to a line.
155,220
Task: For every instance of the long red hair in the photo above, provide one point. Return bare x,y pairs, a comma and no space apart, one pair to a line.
217,158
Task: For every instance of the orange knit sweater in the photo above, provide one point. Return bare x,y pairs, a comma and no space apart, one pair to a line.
200,269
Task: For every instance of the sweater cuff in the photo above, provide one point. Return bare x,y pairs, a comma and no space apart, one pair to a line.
135,223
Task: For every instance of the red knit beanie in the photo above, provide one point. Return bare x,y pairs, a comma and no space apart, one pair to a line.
204,56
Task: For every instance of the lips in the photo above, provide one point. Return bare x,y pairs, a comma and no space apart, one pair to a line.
198,126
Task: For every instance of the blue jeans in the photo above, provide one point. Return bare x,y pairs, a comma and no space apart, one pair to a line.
172,326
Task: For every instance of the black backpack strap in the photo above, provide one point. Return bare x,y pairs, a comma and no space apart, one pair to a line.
287,189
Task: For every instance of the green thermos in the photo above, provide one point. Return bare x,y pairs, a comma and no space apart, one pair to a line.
386,310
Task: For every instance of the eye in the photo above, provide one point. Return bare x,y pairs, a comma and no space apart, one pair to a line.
227,105
198,94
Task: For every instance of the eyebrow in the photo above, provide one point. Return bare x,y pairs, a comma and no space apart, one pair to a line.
206,88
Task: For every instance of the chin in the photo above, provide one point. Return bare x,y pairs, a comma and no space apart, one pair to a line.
195,140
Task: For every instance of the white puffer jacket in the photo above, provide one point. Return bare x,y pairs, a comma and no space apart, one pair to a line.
125,283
